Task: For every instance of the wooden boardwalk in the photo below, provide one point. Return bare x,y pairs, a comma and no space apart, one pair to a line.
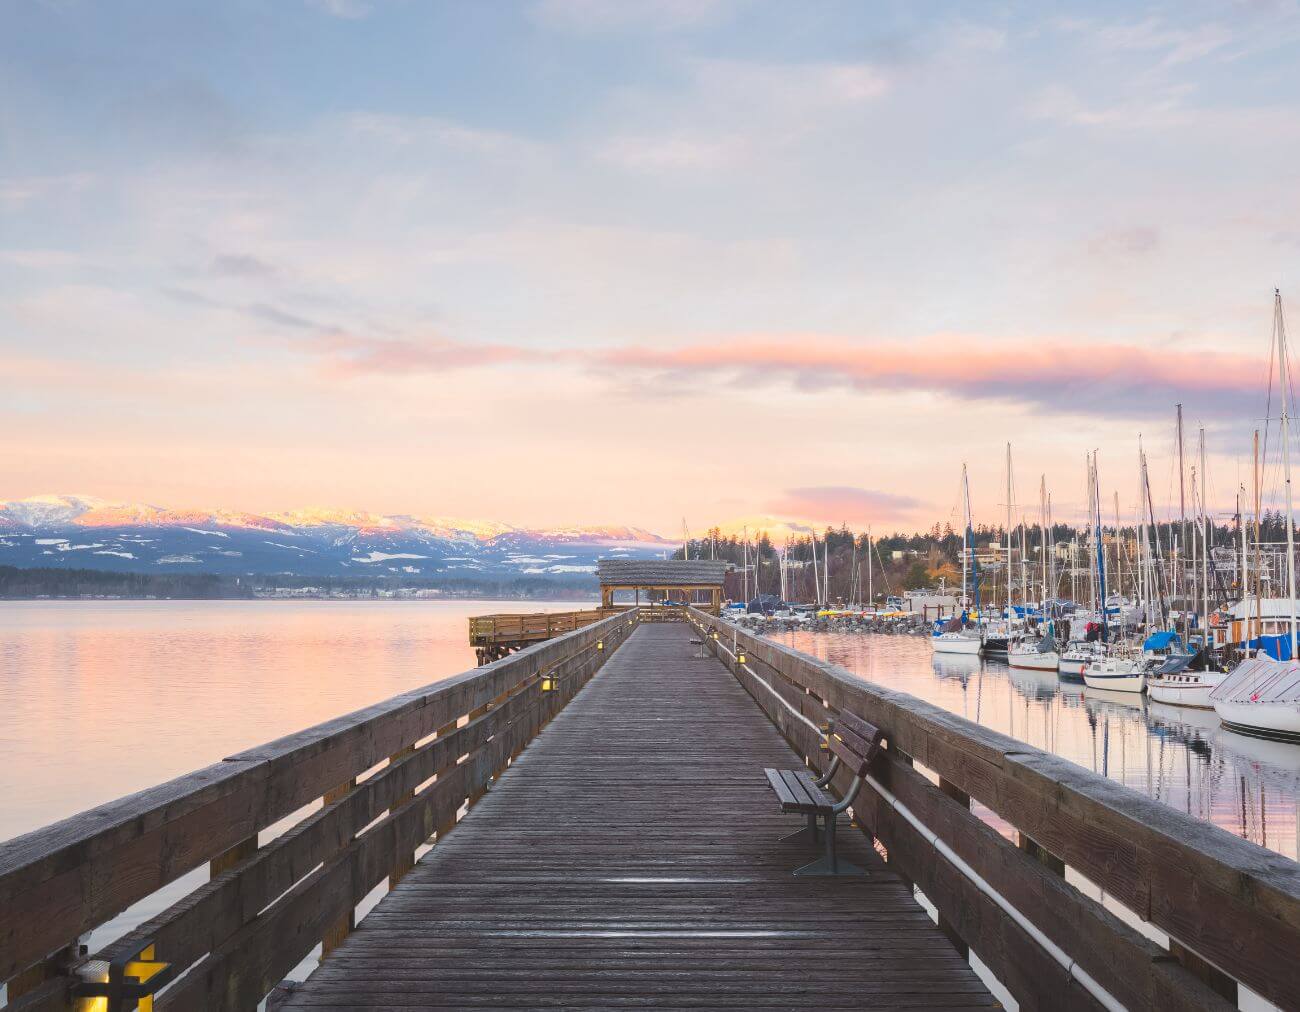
628,859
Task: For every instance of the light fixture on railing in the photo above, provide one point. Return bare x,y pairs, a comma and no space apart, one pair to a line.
600,644
548,684
133,979
715,634
740,657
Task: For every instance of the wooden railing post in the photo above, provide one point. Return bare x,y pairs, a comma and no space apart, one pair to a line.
404,862
449,822
33,977
230,858
1039,853
336,933
906,760
945,925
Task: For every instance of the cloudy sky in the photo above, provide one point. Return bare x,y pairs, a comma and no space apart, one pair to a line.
580,261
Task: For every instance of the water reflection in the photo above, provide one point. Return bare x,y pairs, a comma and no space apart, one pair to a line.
102,698
1178,755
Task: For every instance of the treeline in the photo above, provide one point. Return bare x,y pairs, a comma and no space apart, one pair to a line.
67,583
860,564
16,584
519,587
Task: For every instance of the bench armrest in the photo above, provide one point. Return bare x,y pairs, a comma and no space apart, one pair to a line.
826,777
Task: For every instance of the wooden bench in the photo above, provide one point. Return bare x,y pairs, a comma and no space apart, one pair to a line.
855,744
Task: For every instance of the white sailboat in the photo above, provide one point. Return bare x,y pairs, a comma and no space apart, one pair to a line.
965,640
1119,670
1038,653
1080,651
1261,696
1187,687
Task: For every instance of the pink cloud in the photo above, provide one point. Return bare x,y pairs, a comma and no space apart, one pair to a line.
1101,379
349,355
1104,379
845,504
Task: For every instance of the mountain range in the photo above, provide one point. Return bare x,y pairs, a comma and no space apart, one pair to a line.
82,532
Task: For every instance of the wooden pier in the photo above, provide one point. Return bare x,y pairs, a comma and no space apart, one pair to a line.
586,824
630,858
497,636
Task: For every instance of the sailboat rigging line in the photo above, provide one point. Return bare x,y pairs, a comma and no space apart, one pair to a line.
1059,955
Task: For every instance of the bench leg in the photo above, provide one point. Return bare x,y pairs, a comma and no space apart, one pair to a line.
830,864
808,834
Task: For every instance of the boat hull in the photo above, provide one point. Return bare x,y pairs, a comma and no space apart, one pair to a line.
1261,720
1186,689
1073,667
1035,660
1115,677
996,647
967,645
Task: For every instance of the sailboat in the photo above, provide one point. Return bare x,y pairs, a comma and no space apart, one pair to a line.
1080,652
1261,696
1181,685
1119,669
997,637
963,639
1038,654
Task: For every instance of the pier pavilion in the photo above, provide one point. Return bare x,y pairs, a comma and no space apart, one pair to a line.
670,581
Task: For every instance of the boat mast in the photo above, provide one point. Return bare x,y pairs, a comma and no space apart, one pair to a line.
745,567
1009,571
817,586
1143,547
965,534
1182,533
1245,576
1259,549
871,597
826,568
1101,555
1051,538
1205,539
1158,586
1119,547
1042,541
1092,569
1284,380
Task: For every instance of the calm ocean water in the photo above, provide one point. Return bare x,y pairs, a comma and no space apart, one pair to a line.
102,698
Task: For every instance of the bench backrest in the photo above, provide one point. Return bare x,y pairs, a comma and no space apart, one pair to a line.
855,741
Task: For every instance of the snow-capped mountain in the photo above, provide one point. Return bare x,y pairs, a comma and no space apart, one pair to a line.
77,531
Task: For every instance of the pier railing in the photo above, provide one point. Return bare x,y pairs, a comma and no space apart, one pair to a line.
494,636
367,790
1230,910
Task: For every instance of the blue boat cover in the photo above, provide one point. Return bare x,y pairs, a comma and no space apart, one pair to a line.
1277,647
1162,640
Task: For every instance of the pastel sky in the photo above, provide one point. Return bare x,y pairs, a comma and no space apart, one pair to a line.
586,261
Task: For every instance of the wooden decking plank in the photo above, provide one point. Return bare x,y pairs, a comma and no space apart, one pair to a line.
630,859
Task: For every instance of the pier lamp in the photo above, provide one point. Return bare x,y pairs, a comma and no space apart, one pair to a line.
600,644
549,682
134,979
740,657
